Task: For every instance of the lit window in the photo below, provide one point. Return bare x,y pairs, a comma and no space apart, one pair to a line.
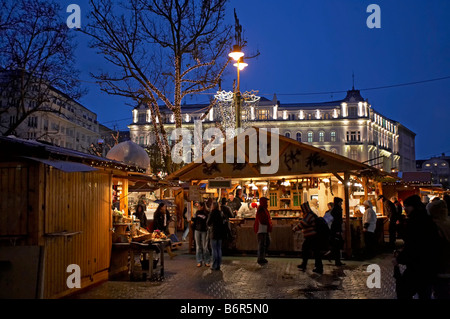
321,136
263,114
333,136
427,165
310,137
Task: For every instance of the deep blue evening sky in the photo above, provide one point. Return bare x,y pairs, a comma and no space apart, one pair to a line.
313,46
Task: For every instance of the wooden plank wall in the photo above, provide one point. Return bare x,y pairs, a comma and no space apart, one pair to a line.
13,199
76,202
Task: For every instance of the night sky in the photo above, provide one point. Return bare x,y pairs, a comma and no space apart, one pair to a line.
310,46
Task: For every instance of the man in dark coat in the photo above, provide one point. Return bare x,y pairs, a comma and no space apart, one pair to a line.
420,253
392,213
337,239
216,223
234,203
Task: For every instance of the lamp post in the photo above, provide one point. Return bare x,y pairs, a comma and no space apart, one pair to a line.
238,56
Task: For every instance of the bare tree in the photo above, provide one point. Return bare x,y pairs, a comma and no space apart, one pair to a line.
164,50
36,61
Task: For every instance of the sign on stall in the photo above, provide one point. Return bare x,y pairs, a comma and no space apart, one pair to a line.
194,193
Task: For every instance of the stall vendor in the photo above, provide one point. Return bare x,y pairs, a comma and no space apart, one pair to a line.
234,203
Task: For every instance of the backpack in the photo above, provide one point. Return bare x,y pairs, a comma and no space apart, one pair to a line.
226,230
323,232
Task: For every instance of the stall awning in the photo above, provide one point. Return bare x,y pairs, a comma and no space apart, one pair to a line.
68,167
288,157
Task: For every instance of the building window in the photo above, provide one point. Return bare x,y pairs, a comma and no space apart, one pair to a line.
287,134
12,120
352,111
32,121
142,118
333,136
299,136
310,137
354,136
354,154
321,136
263,114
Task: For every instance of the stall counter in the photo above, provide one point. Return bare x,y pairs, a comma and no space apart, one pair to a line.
283,239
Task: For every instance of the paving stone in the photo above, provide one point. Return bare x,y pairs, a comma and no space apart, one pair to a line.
241,278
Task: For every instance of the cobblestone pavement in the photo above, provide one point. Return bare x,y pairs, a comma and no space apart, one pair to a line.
241,277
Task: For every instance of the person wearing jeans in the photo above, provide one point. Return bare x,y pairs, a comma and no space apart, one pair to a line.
201,238
216,223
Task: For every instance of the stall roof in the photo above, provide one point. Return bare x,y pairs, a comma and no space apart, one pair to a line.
68,167
15,148
293,159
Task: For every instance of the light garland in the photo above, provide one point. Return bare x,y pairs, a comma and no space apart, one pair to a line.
227,108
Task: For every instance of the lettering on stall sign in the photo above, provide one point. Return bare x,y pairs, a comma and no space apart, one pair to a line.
374,279
74,20
74,279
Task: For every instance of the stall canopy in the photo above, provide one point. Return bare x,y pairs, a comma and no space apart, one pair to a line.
290,159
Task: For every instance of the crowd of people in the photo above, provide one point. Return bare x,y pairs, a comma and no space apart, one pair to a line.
424,230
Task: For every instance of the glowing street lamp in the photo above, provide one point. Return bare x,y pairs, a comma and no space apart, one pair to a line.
236,54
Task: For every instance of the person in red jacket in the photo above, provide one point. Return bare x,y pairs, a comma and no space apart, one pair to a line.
263,227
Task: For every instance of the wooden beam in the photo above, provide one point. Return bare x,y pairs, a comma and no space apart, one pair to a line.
348,235
366,186
338,177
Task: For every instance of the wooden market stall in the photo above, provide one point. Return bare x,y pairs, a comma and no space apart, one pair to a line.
55,212
303,172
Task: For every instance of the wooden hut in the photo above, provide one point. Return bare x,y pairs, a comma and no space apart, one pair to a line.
294,161
55,211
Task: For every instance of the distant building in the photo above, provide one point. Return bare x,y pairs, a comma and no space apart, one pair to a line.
439,167
349,127
109,138
69,124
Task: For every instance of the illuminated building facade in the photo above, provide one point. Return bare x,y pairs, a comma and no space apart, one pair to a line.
349,127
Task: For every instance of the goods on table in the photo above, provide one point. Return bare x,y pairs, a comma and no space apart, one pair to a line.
141,235
158,235
117,216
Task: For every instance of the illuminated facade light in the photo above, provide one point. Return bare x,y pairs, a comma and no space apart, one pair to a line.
318,114
344,109
301,115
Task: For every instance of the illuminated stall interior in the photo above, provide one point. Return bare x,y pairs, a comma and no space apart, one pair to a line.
303,173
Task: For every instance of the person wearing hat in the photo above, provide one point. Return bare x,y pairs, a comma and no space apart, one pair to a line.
263,227
310,245
369,225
